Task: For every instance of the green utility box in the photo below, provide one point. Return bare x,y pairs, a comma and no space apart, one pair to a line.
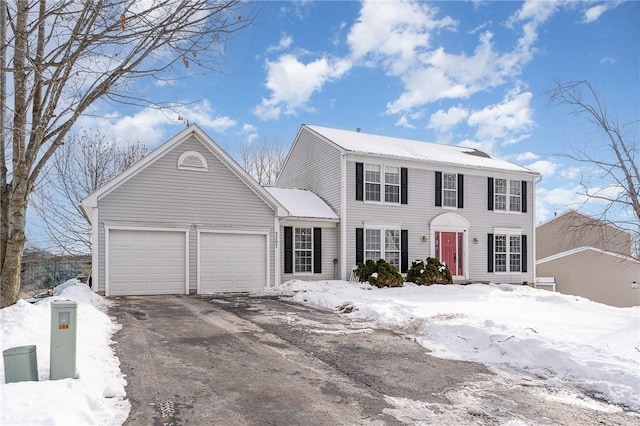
20,364
64,330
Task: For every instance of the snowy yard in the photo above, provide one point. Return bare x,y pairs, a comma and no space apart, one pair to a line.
565,341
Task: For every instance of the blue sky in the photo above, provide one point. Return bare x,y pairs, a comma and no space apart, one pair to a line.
475,73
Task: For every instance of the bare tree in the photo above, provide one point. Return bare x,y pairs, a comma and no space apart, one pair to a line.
84,163
263,160
618,187
66,55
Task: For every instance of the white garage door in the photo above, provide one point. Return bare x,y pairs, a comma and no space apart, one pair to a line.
146,262
232,262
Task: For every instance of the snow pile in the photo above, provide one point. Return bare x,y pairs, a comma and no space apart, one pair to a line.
564,340
97,397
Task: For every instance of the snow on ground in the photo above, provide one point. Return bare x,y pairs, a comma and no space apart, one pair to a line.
96,397
566,341
563,340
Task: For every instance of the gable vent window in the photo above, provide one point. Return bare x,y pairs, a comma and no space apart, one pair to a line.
192,160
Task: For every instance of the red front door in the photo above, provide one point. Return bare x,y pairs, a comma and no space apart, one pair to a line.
450,250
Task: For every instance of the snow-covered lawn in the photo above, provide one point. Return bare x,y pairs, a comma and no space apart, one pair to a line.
97,397
563,340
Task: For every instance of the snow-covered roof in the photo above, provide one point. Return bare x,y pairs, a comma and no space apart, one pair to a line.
302,203
366,143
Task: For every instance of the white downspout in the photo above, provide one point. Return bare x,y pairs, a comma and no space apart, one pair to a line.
343,216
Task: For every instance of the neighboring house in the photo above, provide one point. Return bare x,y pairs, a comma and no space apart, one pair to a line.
404,200
588,258
188,219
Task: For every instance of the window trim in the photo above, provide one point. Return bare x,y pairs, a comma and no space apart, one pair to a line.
508,233
382,183
296,250
454,191
383,243
182,166
508,195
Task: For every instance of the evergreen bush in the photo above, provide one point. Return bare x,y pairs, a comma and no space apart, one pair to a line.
379,274
429,272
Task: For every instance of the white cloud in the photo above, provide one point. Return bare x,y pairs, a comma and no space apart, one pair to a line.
570,173
394,32
292,83
151,125
526,156
283,44
442,121
608,60
250,132
509,120
403,121
544,167
593,13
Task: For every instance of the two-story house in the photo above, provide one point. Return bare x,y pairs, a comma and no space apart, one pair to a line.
403,200
188,219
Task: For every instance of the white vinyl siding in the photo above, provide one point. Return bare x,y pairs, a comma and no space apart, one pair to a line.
161,194
330,251
314,164
416,216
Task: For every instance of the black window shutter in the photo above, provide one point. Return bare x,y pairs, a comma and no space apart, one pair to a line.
438,189
359,245
404,188
288,250
317,250
404,251
489,252
359,181
404,185
523,244
490,195
524,197
460,191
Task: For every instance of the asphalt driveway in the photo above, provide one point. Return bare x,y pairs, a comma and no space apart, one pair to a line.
248,361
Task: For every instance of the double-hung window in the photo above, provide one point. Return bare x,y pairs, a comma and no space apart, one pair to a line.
508,195
392,184
372,182
515,194
303,249
382,244
508,253
449,190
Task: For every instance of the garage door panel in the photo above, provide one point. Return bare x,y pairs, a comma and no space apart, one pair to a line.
146,262
232,262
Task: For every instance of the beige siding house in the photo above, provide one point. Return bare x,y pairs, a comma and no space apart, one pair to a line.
588,258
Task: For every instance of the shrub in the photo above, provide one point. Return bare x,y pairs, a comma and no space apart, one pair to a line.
429,272
379,274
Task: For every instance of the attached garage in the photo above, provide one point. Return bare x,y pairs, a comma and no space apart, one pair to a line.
146,262
232,262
